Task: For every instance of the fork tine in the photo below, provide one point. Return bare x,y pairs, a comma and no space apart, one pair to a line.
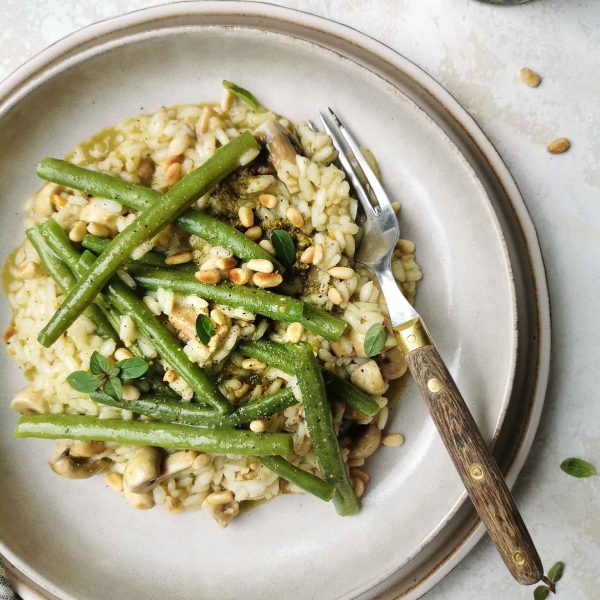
359,188
378,191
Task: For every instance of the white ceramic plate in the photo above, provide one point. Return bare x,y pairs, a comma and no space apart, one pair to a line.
79,540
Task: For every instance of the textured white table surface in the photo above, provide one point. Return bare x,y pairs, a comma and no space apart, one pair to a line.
475,51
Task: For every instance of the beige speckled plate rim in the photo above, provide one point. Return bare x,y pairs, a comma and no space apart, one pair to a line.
19,81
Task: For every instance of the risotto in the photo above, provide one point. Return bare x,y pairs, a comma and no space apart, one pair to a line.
298,217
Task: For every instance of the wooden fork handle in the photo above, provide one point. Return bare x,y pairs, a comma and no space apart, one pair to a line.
465,444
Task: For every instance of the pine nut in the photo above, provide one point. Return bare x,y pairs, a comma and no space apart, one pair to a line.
341,272
267,200
227,100
261,265
246,216
225,264
219,317
114,481
173,173
244,389
209,263
295,332
240,276
202,125
307,256
130,392
382,417
559,146
360,474
170,376
212,276
172,505
318,254
78,231
268,246
294,216
359,487
392,440
254,233
122,354
57,201
217,498
529,77
257,426
179,259
267,280
396,207
98,229
405,246
334,296
254,364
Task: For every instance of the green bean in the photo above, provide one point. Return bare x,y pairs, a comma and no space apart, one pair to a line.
127,303
192,413
323,323
277,356
272,353
162,435
320,426
97,245
340,389
265,406
58,241
303,479
147,224
65,280
256,300
139,198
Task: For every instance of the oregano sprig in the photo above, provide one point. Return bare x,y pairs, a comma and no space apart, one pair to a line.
554,574
106,377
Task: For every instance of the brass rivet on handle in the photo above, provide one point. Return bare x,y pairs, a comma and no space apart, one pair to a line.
519,557
477,471
434,385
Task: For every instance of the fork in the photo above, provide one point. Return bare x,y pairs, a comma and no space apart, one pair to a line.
463,440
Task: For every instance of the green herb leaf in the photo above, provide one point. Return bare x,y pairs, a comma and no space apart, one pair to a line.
132,368
556,572
284,247
577,467
114,388
242,94
99,364
204,328
375,339
114,371
541,592
82,381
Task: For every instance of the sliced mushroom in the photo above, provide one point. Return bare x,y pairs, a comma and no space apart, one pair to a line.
142,470
27,402
140,501
367,443
145,171
85,449
223,513
368,378
76,467
183,318
177,462
282,146
392,364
